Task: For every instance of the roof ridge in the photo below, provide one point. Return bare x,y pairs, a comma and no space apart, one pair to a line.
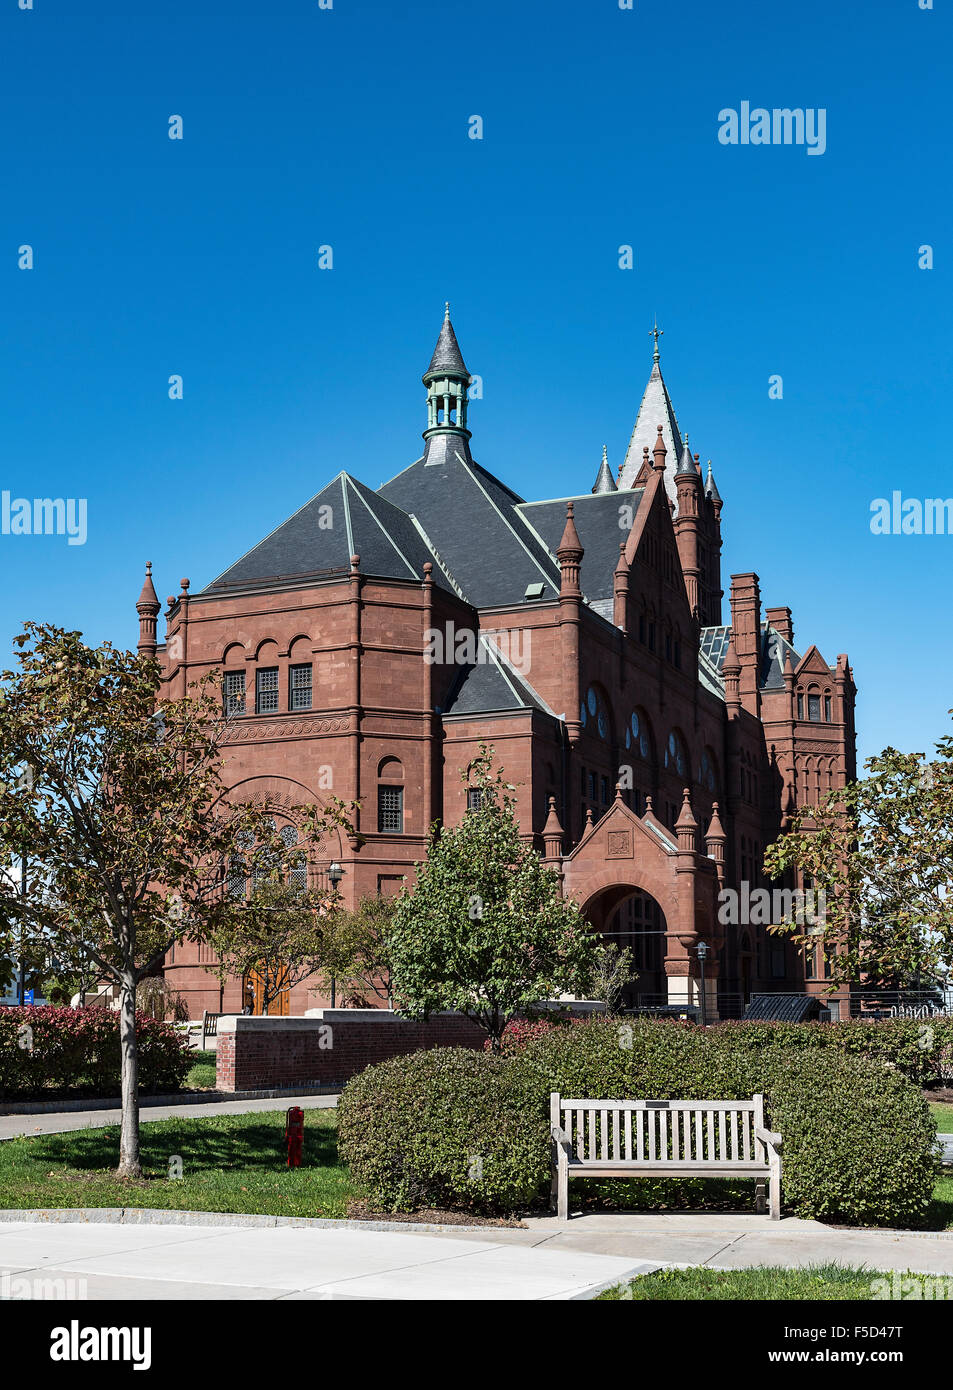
381,525
507,523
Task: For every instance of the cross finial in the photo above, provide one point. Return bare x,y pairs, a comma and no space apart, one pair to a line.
657,333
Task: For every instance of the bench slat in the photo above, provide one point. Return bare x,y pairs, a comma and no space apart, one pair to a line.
616,1144
740,1106
628,1135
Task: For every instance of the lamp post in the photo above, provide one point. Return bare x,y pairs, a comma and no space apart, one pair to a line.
335,874
24,782
701,951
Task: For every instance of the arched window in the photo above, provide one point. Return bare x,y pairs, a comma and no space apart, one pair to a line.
707,775
593,714
675,759
255,863
637,736
390,797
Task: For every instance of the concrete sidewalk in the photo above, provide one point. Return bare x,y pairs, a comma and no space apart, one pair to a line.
146,1262
168,1255
61,1122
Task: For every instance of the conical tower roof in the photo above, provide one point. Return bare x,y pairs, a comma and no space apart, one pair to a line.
656,408
447,357
604,479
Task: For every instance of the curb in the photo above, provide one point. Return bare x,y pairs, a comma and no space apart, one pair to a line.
67,1107
162,1216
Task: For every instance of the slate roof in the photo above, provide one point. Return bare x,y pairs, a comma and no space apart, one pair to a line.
343,519
656,409
597,517
474,521
447,356
491,686
774,652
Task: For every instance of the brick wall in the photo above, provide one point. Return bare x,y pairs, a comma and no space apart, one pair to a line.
327,1047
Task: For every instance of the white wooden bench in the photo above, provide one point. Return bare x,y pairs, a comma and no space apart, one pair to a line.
663,1139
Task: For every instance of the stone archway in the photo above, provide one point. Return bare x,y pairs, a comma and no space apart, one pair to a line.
623,855
632,919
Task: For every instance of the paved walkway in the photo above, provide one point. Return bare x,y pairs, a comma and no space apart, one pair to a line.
735,1242
189,1255
97,1261
60,1121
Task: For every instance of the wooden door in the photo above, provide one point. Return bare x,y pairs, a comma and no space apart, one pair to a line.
257,992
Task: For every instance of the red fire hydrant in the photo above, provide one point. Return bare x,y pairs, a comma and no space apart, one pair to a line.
294,1135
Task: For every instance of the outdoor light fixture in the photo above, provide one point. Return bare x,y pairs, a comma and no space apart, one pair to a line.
335,874
701,951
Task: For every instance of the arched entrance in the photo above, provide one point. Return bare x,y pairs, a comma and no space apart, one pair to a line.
628,917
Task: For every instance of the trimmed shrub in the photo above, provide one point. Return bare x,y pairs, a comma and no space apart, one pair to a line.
43,1047
920,1048
859,1142
446,1127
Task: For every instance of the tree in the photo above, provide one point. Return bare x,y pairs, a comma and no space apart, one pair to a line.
279,934
613,971
356,952
880,850
125,814
485,929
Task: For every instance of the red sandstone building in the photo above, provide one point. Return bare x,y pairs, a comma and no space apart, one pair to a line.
371,641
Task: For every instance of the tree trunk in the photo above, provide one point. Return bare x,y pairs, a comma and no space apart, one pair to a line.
129,1162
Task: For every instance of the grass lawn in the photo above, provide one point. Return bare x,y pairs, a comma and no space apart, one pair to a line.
943,1114
201,1074
817,1283
233,1163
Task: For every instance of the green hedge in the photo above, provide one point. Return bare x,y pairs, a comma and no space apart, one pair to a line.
44,1047
921,1048
859,1142
443,1128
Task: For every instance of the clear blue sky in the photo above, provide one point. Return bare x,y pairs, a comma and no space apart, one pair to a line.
348,127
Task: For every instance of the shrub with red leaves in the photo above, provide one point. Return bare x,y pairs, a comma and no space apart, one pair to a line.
43,1046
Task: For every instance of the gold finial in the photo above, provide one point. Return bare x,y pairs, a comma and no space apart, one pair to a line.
657,333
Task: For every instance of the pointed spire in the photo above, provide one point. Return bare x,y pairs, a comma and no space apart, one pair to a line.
686,464
148,606
604,479
711,488
659,452
553,833
655,405
716,831
686,827
448,382
447,356
570,547
715,841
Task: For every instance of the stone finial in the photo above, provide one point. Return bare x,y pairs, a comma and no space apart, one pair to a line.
553,832
686,827
569,554
148,607
659,452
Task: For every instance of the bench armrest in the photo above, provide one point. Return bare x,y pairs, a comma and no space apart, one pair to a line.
561,1138
769,1137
